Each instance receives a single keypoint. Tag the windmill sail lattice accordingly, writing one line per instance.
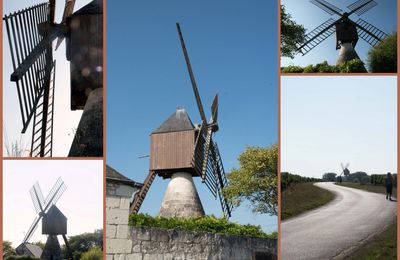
(26, 43)
(347, 31)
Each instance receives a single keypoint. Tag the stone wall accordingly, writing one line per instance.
(126, 243)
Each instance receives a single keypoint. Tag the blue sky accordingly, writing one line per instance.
(329, 120)
(383, 16)
(232, 47)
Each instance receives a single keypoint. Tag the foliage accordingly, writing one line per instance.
(329, 176)
(379, 179)
(383, 57)
(357, 176)
(20, 257)
(82, 243)
(205, 223)
(256, 180)
(8, 250)
(291, 34)
(94, 253)
(302, 197)
(352, 66)
(288, 179)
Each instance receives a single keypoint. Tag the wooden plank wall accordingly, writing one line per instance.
(172, 150)
(86, 54)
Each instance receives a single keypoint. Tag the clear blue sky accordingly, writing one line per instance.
(383, 16)
(329, 120)
(233, 50)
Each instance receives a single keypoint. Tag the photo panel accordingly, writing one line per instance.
(338, 167)
(53, 209)
(53, 78)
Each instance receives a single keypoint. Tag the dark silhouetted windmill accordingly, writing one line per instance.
(181, 150)
(347, 31)
(345, 171)
(54, 223)
(30, 34)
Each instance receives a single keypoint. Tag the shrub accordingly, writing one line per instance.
(353, 66)
(94, 253)
(383, 57)
(209, 224)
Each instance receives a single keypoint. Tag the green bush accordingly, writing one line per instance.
(94, 253)
(209, 224)
(353, 66)
(20, 257)
(383, 57)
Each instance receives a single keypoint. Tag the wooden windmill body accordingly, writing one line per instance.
(181, 151)
(30, 34)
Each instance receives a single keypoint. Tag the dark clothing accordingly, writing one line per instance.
(389, 189)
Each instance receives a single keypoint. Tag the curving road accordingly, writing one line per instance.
(330, 231)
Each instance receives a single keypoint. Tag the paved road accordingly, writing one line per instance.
(330, 231)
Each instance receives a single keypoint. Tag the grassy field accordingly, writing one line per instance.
(368, 187)
(383, 245)
(302, 197)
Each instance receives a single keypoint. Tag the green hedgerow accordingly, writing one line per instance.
(209, 224)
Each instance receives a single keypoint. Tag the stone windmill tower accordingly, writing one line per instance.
(180, 151)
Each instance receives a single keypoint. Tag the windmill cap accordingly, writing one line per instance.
(178, 121)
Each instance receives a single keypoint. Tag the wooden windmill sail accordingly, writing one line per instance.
(178, 146)
(347, 31)
(30, 34)
(54, 223)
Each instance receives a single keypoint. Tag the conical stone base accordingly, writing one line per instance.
(52, 250)
(181, 198)
(346, 53)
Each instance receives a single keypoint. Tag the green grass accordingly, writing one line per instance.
(301, 197)
(205, 223)
(368, 187)
(382, 246)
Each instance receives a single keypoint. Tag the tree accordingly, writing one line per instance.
(82, 243)
(291, 34)
(256, 180)
(8, 250)
(329, 176)
(383, 57)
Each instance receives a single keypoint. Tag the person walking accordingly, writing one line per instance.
(389, 186)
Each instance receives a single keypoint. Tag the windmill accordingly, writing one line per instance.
(347, 31)
(30, 34)
(345, 171)
(54, 223)
(180, 151)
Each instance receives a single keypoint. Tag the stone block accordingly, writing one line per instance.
(153, 257)
(118, 246)
(125, 203)
(112, 202)
(111, 231)
(122, 231)
(119, 257)
(109, 257)
(142, 233)
(151, 247)
(136, 248)
(135, 256)
(117, 216)
(159, 234)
